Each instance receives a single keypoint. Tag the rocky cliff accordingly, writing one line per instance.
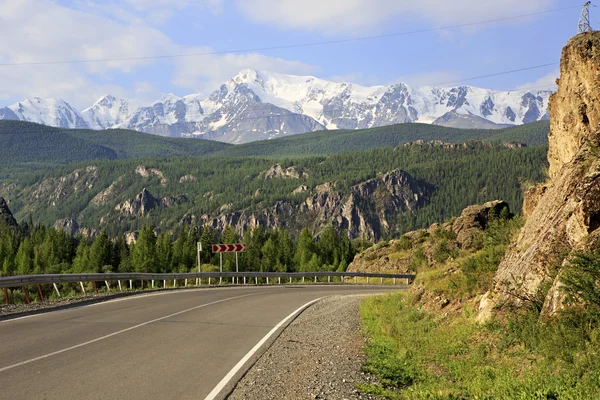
(5, 214)
(365, 211)
(563, 215)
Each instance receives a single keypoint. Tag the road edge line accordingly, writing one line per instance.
(231, 374)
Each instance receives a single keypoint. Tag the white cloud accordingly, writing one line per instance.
(350, 16)
(206, 73)
(546, 82)
(43, 31)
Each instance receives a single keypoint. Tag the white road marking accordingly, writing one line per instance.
(120, 332)
(221, 385)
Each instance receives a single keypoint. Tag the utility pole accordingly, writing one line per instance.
(584, 19)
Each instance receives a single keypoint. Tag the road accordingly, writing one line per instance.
(180, 344)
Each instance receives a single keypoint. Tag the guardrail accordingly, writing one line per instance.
(246, 277)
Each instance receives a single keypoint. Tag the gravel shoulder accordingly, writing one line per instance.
(318, 356)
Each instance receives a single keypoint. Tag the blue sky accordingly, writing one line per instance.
(62, 30)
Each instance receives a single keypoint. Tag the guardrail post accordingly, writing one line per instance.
(209, 281)
(315, 279)
(220, 280)
(408, 281)
(185, 285)
(290, 279)
(329, 279)
(82, 288)
(130, 285)
(355, 280)
(279, 280)
(142, 284)
(342, 279)
(303, 279)
(394, 281)
(368, 280)
(174, 282)
(6, 295)
(244, 280)
(26, 295)
(107, 285)
(164, 283)
(267, 280)
(152, 283)
(256, 280)
(95, 287)
(120, 287)
(41, 294)
(56, 288)
(381, 280)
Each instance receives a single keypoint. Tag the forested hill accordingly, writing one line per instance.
(344, 141)
(34, 146)
(373, 193)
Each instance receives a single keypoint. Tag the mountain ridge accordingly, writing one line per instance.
(255, 105)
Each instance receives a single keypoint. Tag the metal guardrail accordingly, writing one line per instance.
(26, 280)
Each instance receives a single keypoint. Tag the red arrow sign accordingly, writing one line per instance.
(228, 248)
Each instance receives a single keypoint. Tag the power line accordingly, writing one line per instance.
(290, 46)
(495, 74)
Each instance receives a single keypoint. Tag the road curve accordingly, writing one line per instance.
(167, 345)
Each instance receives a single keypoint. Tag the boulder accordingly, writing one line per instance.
(474, 219)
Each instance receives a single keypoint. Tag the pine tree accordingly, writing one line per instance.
(143, 254)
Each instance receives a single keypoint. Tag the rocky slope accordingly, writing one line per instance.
(404, 255)
(563, 215)
(256, 105)
(366, 211)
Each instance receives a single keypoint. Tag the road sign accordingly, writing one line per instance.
(228, 248)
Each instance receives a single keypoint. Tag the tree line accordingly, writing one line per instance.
(37, 249)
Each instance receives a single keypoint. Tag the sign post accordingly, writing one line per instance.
(199, 251)
(228, 248)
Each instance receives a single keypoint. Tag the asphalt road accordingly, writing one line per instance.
(168, 345)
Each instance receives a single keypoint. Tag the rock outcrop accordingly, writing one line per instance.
(6, 215)
(365, 210)
(67, 225)
(563, 215)
(147, 172)
(277, 172)
(474, 219)
(145, 202)
(141, 205)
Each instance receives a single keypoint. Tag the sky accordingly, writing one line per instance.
(227, 36)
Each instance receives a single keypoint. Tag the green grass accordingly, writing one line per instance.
(420, 350)
(423, 355)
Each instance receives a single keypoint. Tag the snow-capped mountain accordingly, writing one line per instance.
(52, 112)
(107, 112)
(257, 105)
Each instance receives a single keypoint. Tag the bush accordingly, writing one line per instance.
(403, 244)
(582, 281)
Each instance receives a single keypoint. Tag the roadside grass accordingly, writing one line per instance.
(421, 348)
(420, 355)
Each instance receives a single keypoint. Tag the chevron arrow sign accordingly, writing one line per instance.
(228, 248)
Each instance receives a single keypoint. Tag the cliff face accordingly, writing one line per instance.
(575, 107)
(365, 211)
(563, 215)
(5, 214)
